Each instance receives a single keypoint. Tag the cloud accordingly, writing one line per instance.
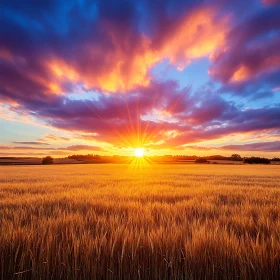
(107, 50)
(251, 56)
(244, 121)
(113, 50)
(199, 148)
(270, 2)
(260, 146)
(30, 143)
(54, 138)
(69, 148)
(4, 147)
(272, 146)
(82, 148)
(9, 154)
(159, 116)
(114, 118)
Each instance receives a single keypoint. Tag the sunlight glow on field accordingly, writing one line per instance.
(91, 221)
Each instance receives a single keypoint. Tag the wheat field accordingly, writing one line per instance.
(159, 222)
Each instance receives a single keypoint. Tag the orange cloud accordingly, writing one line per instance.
(119, 71)
(240, 74)
(127, 63)
(244, 72)
(61, 69)
(50, 85)
(198, 35)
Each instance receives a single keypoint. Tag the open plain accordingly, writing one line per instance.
(182, 221)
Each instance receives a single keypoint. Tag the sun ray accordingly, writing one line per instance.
(164, 124)
(111, 125)
(129, 115)
(148, 121)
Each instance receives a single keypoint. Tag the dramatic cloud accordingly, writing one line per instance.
(112, 54)
(251, 57)
(94, 70)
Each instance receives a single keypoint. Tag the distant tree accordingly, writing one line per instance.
(275, 159)
(256, 160)
(217, 157)
(201, 160)
(47, 160)
(236, 157)
(85, 157)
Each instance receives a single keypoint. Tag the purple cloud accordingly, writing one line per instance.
(261, 146)
(56, 48)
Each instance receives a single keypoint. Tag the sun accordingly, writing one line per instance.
(139, 152)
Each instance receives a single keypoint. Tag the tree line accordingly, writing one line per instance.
(165, 159)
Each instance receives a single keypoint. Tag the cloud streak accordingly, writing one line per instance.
(262, 146)
(30, 143)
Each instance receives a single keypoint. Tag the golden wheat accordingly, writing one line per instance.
(160, 222)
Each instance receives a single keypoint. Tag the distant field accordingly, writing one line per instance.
(162, 222)
(34, 161)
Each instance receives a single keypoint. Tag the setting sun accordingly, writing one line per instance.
(139, 152)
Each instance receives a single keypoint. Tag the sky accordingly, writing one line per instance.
(171, 77)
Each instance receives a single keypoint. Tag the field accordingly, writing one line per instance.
(119, 222)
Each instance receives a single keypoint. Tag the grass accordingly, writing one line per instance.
(161, 222)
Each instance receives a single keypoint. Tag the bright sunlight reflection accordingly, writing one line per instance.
(139, 152)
